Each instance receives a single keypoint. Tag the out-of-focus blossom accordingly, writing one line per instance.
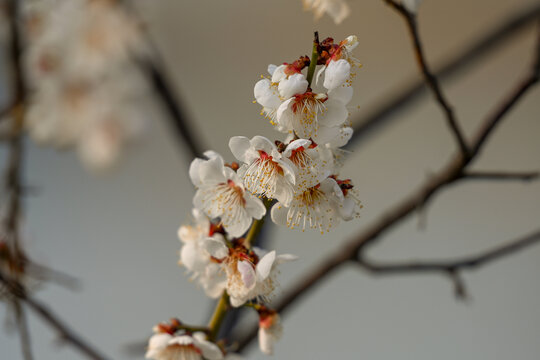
(196, 259)
(270, 330)
(85, 88)
(338, 10)
(182, 346)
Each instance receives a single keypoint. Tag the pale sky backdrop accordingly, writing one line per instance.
(117, 232)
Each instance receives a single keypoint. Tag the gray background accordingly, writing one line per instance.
(117, 232)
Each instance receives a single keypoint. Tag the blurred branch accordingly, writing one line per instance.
(446, 266)
(429, 78)
(500, 175)
(383, 113)
(449, 174)
(17, 290)
(182, 125)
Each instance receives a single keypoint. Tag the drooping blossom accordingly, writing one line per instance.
(270, 330)
(338, 10)
(248, 275)
(265, 171)
(182, 346)
(221, 194)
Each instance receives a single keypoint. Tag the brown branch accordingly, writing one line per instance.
(17, 290)
(429, 77)
(500, 175)
(24, 334)
(445, 266)
(349, 252)
(382, 114)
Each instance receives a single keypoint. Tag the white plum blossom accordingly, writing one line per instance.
(248, 276)
(266, 94)
(182, 346)
(265, 172)
(339, 69)
(338, 10)
(313, 163)
(270, 331)
(196, 259)
(316, 207)
(314, 116)
(221, 194)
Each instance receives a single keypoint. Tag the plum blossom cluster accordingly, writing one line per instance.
(294, 180)
(85, 89)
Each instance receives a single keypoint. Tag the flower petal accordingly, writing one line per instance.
(264, 266)
(248, 274)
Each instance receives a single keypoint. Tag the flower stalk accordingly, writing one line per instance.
(314, 58)
(219, 315)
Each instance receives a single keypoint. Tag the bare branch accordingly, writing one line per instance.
(429, 77)
(395, 102)
(500, 175)
(66, 334)
(24, 334)
(170, 101)
(468, 262)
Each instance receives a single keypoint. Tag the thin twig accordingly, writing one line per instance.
(448, 175)
(500, 175)
(66, 334)
(24, 333)
(429, 77)
(382, 114)
(468, 262)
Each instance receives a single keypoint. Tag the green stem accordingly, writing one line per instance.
(218, 316)
(257, 225)
(314, 58)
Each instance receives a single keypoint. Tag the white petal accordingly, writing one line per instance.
(248, 274)
(266, 94)
(336, 113)
(295, 84)
(194, 171)
(337, 72)
(239, 146)
(209, 350)
(211, 171)
(157, 343)
(254, 206)
(283, 258)
(215, 248)
(343, 93)
(279, 74)
(279, 214)
(284, 116)
(261, 143)
(271, 69)
(264, 266)
(266, 341)
(345, 134)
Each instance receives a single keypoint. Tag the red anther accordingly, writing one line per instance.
(234, 165)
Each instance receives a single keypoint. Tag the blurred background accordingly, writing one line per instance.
(116, 231)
